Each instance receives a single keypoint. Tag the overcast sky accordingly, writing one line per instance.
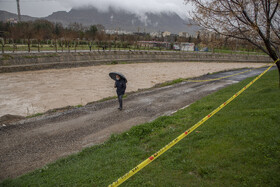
(42, 8)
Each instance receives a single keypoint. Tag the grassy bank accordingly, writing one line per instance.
(239, 146)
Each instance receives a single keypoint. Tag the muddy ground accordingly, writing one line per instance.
(32, 143)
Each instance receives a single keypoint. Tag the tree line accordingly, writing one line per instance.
(42, 31)
(39, 32)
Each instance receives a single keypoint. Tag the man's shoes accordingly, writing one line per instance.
(120, 109)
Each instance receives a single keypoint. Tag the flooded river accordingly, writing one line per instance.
(27, 93)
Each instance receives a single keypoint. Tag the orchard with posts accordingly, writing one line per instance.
(42, 35)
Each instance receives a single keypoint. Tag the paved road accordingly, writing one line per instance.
(32, 143)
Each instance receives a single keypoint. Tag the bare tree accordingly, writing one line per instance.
(90, 35)
(5, 29)
(256, 21)
(57, 33)
(14, 35)
(42, 30)
(26, 32)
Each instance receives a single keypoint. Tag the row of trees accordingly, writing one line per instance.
(43, 31)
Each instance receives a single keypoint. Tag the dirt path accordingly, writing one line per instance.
(33, 143)
(27, 93)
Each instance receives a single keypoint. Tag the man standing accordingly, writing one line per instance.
(120, 84)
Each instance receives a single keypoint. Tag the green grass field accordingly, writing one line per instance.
(239, 146)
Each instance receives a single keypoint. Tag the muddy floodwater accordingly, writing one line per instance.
(27, 93)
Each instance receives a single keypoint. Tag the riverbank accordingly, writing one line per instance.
(28, 93)
(40, 61)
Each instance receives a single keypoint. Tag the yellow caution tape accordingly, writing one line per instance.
(183, 135)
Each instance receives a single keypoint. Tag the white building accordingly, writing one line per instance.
(166, 33)
(187, 46)
(184, 34)
(155, 34)
(118, 32)
(12, 20)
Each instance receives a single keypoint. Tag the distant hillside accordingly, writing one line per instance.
(123, 20)
(4, 15)
(114, 19)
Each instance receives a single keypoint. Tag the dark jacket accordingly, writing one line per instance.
(121, 86)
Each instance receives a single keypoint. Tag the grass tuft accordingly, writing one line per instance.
(34, 115)
(78, 106)
(169, 83)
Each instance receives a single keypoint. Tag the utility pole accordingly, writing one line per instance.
(18, 10)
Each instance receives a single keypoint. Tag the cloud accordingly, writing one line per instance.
(36, 8)
(139, 7)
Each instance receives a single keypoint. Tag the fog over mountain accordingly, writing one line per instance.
(129, 15)
(123, 20)
(138, 7)
(43, 8)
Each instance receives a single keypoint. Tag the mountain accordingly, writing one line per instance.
(118, 20)
(4, 15)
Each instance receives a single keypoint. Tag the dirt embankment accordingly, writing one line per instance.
(16, 62)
